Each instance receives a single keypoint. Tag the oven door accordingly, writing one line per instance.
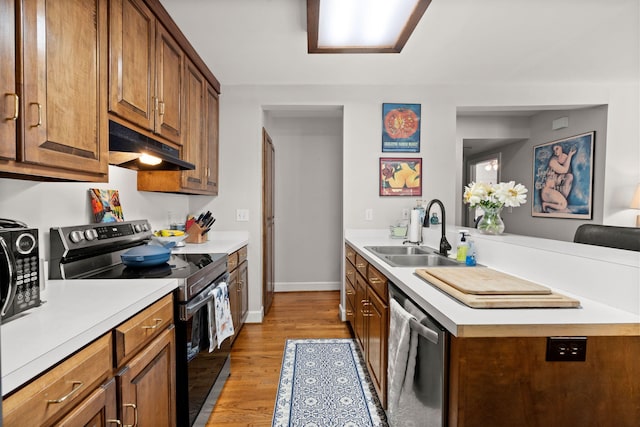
(203, 367)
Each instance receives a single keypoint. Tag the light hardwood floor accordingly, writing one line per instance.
(249, 394)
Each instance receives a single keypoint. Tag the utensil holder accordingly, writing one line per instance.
(195, 234)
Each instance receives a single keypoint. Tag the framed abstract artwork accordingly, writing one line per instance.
(563, 178)
(400, 177)
(105, 205)
(401, 128)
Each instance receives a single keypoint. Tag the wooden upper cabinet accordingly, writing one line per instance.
(212, 141)
(10, 102)
(169, 87)
(132, 66)
(146, 78)
(62, 80)
(194, 114)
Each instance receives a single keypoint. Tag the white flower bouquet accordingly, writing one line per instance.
(495, 196)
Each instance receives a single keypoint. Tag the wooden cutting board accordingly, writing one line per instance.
(549, 300)
(485, 281)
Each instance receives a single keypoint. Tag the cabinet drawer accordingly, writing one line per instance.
(378, 282)
(350, 254)
(61, 388)
(350, 273)
(361, 265)
(350, 291)
(232, 261)
(133, 334)
(242, 254)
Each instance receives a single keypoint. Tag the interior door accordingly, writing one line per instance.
(268, 246)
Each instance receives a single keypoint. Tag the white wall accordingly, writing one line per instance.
(308, 201)
(241, 121)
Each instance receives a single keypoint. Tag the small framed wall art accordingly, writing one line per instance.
(563, 178)
(105, 205)
(400, 176)
(401, 128)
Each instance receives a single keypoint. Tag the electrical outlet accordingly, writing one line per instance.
(242, 215)
(566, 349)
(368, 214)
(405, 213)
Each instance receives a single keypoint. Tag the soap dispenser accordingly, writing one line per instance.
(462, 246)
(471, 253)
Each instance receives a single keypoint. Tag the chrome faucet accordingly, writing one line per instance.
(444, 244)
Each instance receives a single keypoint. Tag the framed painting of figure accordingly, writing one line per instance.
(563, 178)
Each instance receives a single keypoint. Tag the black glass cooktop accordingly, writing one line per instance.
(179, 266)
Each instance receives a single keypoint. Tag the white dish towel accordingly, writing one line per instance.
(219, 312)
(402, 352)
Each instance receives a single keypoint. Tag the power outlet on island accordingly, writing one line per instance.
(242, 215)
(566, 349)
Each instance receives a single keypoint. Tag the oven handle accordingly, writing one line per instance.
(11, 291)
(199, 301)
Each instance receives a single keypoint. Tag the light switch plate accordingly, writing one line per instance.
(242, 215)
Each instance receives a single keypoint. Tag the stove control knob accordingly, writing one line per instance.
(145, 227)
(76, 236)
(137, 228)
(90, 234)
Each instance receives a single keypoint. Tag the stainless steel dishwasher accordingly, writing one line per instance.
(427, 404)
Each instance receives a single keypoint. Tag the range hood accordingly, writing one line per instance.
(126, 146)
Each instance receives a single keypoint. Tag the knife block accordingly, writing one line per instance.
(195, 234)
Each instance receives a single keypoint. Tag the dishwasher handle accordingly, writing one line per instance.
(423, 330)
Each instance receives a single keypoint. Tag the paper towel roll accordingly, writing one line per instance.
(415, 227)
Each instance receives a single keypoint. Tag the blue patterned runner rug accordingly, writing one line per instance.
(323, 383)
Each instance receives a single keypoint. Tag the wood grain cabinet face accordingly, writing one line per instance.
(62, 116)
(146, 78)
(100, 409)
(62, 388)
(237, 266)
(148, 384)
(193, 141)
(10, 101)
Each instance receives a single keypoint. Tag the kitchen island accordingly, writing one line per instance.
(497, 367)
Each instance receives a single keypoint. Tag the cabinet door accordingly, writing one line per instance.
(193, 138)
(169, 86)
(147, 385)
(234, 301)
(64, 106)
(132, 57)
(9, 103)
(243, 282)
(97, 410)
(211, 141)
(376, 350)
(361, 312)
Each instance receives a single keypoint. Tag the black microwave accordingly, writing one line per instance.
(19, 271)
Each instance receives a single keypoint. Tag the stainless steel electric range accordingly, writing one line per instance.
(93, 252)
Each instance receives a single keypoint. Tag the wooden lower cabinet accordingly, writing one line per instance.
(100, 409)
(367, 300)
(148, 384)
(238, 289)
(82, 390)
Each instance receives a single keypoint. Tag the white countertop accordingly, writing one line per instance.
(592, 318)
(78, 311)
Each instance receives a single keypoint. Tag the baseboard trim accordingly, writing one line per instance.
(306, 286)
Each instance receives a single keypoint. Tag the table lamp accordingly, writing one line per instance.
(635, 203)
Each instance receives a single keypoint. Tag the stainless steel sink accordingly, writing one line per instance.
(398, 250)
(423, 260)
(412, 256)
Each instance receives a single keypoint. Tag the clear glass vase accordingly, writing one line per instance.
(491, 222)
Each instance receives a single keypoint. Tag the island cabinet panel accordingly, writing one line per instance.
(56, 108)
(508, 382)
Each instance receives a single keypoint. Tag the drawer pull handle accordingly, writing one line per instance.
(374, 280)
(75, 387)
(360, 265)
(114, 422)
(158, 323)
(16, 106)
(350, 292)
(135, 414)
